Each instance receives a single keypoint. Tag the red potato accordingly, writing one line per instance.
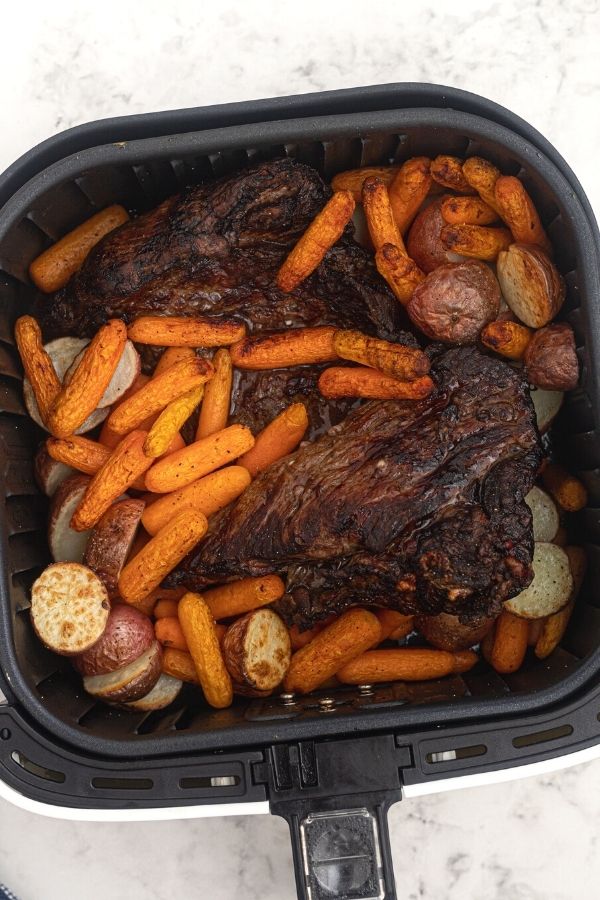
(257, 650)
(130, 682)
(447, 632)
(111, 540)
(551, 359)
(455, 302)
(66, 544)
(164, 692)
(128, 369)
(69, 608)
(531, 284)
(49, 473)
(127, 635)
(551, 587)
(424, 243)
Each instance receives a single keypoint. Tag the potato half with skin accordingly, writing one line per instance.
(551, 587)
(257, 650)
(129, 682)
(49, 473)
(66, 544)
(110, 542)
(447, 632)
(551, 358)
(424, 243)
(531, 284)
(164, 692)
(547, 405)
(127, 635)
(69, 608)
(455, 302)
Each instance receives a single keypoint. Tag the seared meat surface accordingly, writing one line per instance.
(417, 506)
(215, 251)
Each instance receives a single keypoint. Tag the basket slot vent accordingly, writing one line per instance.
(582, 450)
(11, 397)
(35, 769)
(227, 161)
(310, 153)
(122, 784)
(60, 210)
(19, 247)
(117, 185)
(263, 154)
(154, 185)
(577, 413)
(209, 781)
(25, 551)
(160, 721)
(340, 155)
(378, 150)
(14, 302)
(25, 513)
(10, 367)
(542, 737)
(441, 756)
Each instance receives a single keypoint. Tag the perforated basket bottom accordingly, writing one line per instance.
(64, 203)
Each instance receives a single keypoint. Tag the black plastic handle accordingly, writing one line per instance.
(342, 854)
(335, 797)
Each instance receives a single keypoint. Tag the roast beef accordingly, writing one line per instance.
(215, 251)
(416, 506)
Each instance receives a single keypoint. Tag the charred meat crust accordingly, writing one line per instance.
(416, 506)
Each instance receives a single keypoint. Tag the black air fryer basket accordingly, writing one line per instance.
(333, 762)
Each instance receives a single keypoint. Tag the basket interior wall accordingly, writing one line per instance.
(140, 187)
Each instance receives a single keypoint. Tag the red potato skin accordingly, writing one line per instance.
(455, 302)
(128, 634)
(424, 243)
(551, 359)
(446, 632)
(139, 686)
(111, 541)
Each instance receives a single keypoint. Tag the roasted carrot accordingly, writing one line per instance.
(448, 171)
(321, 234)
(165, 609)
(401, 273)
(568, 491)
(53, 268)
(178, 379)
(160, 555)
(409, 189)
(375, 666)
(476, 241)
(198, 459)
(346, 638)
(518, 211)
(37, 364)
(179, 664)
(396, 360)
(467, 211)
(297, 347)
(165, 429)
(207, 495)
(81, 395)
(509, 339)
(482, 175)
(279, 438)
(239, 597)
(510, 643)
(168, 632)
(360, 381)
(394, 625)
(353, 179)
(380, 218)
(214, 411)
(124, 466)
(185, 331)
(199, 630)
(84, 455)
(171, 356)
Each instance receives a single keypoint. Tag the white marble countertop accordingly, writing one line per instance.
(70, 62)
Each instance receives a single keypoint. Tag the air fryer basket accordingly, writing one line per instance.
(417, 728)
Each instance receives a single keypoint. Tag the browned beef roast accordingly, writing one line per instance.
(214, 251)
(417, 506)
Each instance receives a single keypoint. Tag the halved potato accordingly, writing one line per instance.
(49, 473)
(531, 284)
(546, 520)
(257, 650)
(554, 627)
(130, 682)
(67, 545)
(551, 587)
(547, 405)
(69, 608)
(110, 542)
(127, 635)
(127, 371)
(162, 694)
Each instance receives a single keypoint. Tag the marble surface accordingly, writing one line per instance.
(69, 62)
